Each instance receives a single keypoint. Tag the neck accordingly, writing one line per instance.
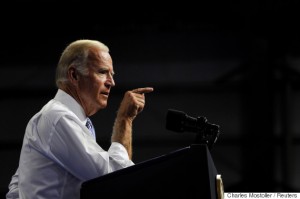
(73, 92)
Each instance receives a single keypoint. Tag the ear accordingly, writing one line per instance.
(73, 75)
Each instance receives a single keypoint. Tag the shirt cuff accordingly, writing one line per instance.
(119, 148)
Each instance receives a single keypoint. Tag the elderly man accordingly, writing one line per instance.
(59, 149)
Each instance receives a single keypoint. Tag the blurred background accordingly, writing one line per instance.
(236, 63)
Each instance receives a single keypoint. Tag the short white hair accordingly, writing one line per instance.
(76, 54)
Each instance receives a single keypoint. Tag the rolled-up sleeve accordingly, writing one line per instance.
(118, 152)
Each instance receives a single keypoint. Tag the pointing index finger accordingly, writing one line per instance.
(143, 90)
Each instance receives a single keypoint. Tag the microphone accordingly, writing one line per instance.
(179, 121)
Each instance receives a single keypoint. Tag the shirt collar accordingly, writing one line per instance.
(71, 104)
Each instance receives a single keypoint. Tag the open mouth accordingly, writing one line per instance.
(105, 93)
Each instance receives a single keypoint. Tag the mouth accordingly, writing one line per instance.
(105, 93)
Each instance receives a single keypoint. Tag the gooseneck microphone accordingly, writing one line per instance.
(180, 122)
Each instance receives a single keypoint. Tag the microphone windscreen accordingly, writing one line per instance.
(175, 120)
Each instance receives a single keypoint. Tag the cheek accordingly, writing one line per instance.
(100, 80)
(98, 84)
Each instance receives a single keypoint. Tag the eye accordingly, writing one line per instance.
(103, 71)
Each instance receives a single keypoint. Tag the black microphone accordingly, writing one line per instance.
(179, 121)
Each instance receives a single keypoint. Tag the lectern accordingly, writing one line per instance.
(185, 173)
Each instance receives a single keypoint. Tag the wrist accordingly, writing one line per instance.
(124, 119)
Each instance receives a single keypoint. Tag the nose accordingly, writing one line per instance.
(110, 82)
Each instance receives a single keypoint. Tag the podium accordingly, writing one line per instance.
(185, 173)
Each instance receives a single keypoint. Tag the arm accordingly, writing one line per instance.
(13, 192)
(132, 104)
(73, 148)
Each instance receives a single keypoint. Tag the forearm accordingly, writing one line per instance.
(132, 104)
(122, 133)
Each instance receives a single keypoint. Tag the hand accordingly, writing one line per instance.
(133, 102)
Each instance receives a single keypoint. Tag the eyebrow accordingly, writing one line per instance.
(106, 68)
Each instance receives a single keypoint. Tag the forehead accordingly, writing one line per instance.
(104, 55)
(100, 58)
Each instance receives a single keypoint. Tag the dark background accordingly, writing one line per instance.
(236, 63)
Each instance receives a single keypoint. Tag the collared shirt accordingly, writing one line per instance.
(59, 153)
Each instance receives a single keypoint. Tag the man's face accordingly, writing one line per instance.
(94, 88)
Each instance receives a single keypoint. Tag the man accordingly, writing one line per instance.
(59, 151)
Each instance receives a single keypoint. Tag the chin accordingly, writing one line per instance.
(102, 105)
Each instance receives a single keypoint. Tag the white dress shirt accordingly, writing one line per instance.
(59, 153)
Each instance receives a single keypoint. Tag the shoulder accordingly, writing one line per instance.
(53, 111)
